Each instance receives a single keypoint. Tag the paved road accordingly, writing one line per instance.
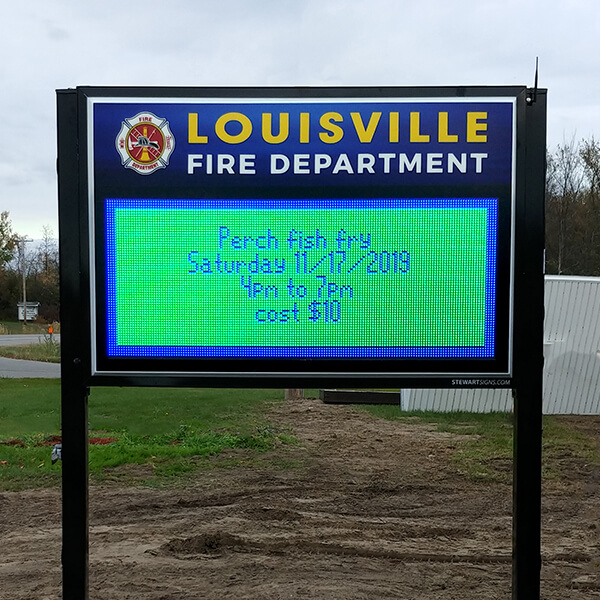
(16, 369)
(24, 340)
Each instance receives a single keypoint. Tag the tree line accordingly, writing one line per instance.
(38, 266)
(573, 208)
(572, 234)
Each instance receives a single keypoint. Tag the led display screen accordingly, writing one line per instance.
(302, 235)
(337, 278)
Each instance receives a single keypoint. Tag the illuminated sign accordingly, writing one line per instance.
(318, 278)
(304, 236)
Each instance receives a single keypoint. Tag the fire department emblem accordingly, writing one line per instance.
(145, 143)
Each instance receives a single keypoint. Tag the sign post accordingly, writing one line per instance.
(295, 236)
(74, 362)
(529, 358)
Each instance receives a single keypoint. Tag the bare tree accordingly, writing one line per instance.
(43, 278)
(564, 183)
(47, 253)
(590, 156)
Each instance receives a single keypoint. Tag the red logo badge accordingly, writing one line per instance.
(145, 143)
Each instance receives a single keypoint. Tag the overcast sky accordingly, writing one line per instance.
(51, 44)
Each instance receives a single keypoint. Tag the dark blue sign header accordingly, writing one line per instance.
(304, 143)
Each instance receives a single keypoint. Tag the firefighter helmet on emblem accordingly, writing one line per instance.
(145, 143)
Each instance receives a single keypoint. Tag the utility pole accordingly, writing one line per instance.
(23, 241)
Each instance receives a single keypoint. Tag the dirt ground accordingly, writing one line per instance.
(361, 509)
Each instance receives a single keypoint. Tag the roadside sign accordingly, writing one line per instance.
(287, 237)
(304, 234)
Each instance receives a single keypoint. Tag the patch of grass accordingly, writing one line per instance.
(48, 350)
(486, 454)
(29, 406)
(152, 411)
(170, 455)
(563, 446)
(12, 328)
(161, 433)
(453, 422)
(22, 468)
(165, 456)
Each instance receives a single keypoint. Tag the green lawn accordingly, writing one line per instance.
(172, 429)
(155, 435)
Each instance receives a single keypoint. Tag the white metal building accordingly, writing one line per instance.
(571, 352)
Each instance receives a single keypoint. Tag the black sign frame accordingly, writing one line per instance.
(256, 372)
